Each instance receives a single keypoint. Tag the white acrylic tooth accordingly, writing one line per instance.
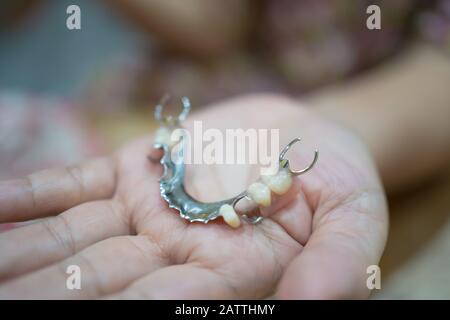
(280, 182)
(230, 216)
(163, 136)
(260, 193)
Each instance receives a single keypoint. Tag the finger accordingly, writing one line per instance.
(105, 267)
(334, 262)
(186, 281)
(52, 191)
(37, 245)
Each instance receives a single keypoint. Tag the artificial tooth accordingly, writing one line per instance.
(260, 193)
(163, 136)
(280, 182)
(230, 216)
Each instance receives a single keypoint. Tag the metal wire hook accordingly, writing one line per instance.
(249, 219)
(170, 120)
(285, 162)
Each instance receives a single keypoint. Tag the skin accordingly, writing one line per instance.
(401, 110)
(116, 227)
(214, 28)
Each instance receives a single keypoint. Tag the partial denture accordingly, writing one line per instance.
(172, 182)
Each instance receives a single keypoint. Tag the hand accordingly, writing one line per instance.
(129, 244)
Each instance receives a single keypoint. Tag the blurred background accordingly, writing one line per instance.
(66, 95)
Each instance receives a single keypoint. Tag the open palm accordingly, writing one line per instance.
(129, 244)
